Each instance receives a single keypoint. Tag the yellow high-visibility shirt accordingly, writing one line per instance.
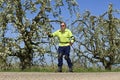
(64, 37)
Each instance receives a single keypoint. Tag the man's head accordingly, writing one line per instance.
(63, 26)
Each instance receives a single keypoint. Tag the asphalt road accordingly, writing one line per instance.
(59, 76)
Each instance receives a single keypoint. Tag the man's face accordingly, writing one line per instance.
(63, 26)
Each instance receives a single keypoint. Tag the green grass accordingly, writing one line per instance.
(54, 69)
(95, 70)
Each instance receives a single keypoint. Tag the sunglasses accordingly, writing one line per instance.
(62, 25)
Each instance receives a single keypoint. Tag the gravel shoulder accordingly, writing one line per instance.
(59, 76)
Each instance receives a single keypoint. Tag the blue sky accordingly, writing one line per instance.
(97, 7)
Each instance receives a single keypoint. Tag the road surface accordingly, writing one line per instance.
(59, 76)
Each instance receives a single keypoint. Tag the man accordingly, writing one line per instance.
(66, 39)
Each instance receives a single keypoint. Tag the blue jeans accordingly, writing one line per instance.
(64, 50)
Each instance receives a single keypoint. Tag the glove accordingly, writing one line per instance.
(49, 34)
(71, 43)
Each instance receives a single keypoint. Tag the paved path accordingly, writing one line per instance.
(59, 76)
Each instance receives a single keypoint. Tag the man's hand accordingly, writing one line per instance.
(49, 34)
(71, 43)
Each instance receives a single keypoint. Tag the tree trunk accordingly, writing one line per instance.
(26, 61)
(108, 66)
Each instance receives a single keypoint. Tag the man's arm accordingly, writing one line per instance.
(52, 34)
(72, 38)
